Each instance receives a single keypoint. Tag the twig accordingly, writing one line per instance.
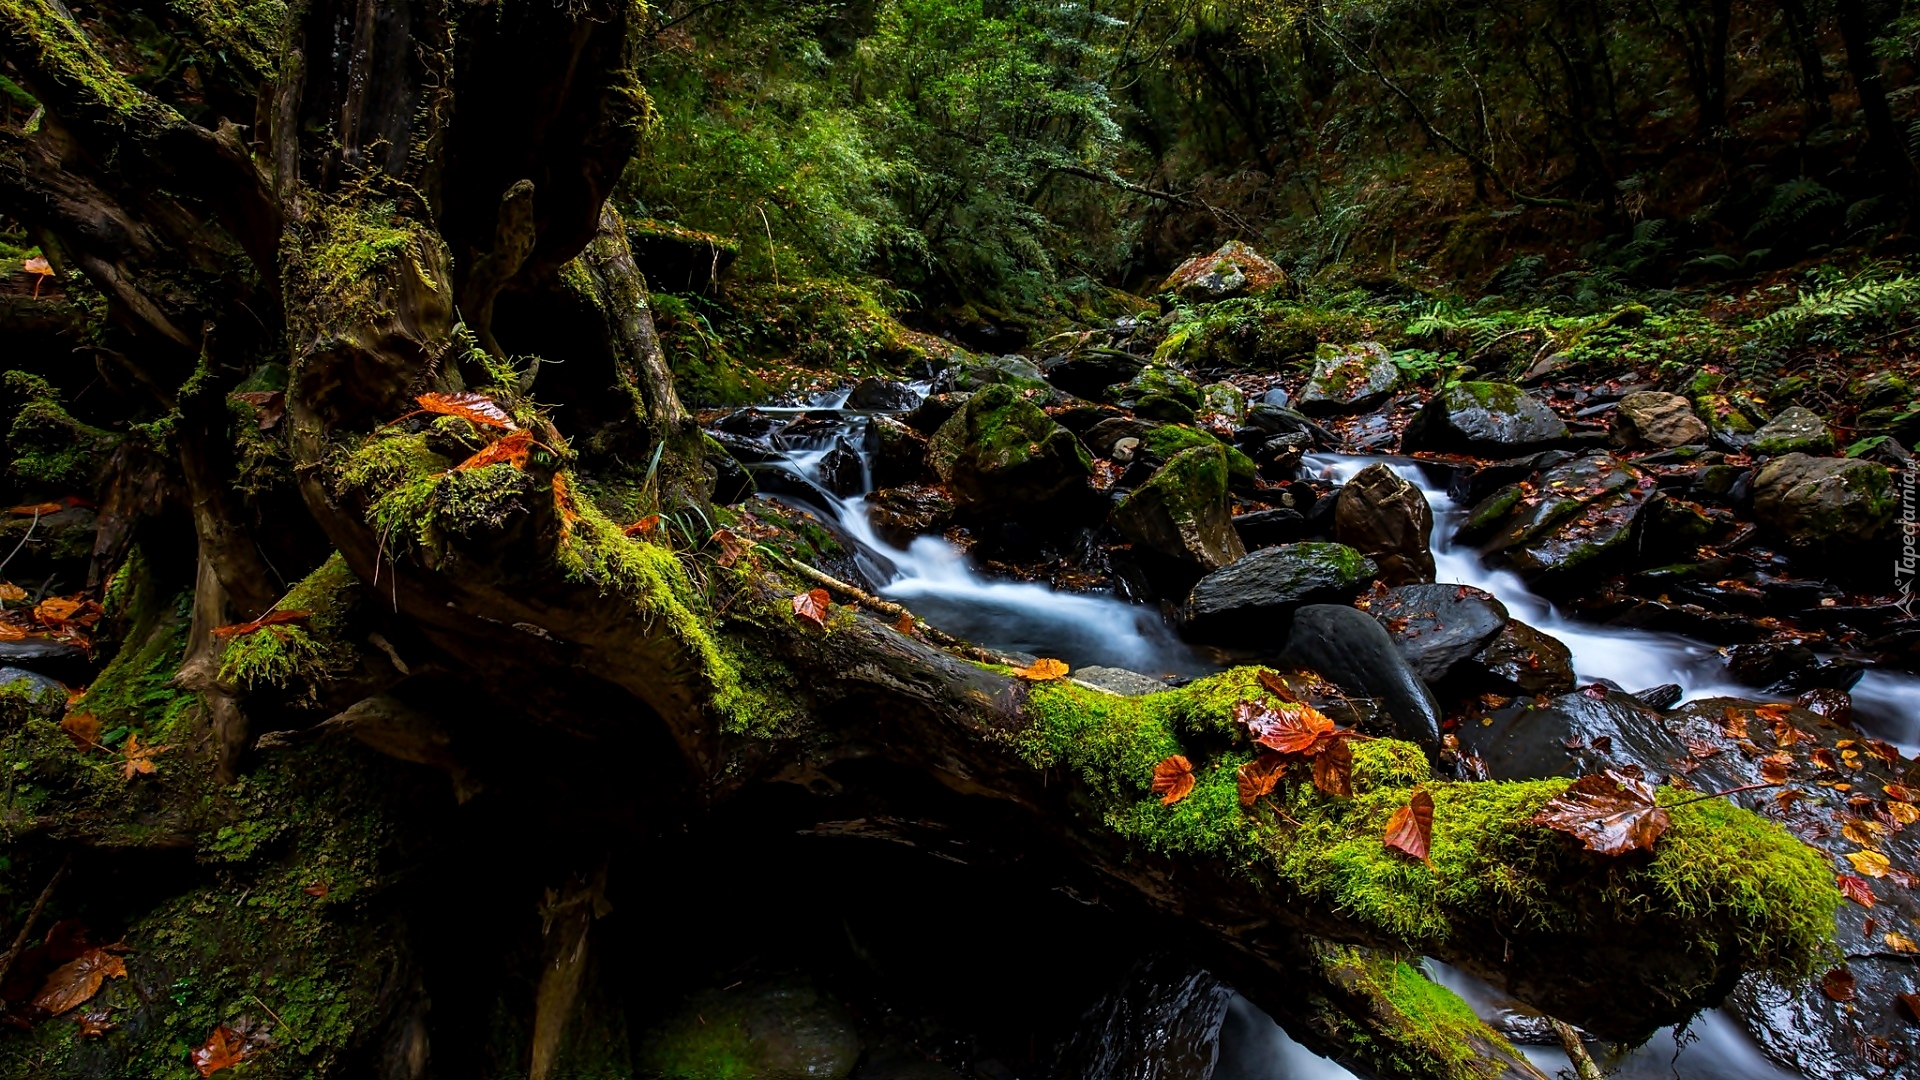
(1720, 794)
(33, 916)
(884, 607)
(1583, 1065)
(23, 540)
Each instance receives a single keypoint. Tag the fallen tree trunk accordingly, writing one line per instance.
(387, 208)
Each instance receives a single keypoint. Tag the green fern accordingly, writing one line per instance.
(1852, 301)
(1790, 204)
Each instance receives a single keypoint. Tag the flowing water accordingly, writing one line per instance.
(936, 579)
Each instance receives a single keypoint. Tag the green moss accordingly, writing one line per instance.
(311, 652)
(350, 255)
(249, 29)
(52, 452)
(76, 76)
(1721, 875)
(1167, 440)
(1416, 1028)
(1492, 395)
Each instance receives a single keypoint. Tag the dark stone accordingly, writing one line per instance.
(54, 659)
(747, 451)
(1181, 512)
(1101, 437)
(1279, 457)
(1794, 431)
(842, 472)
(1470, 485)
(1081, 419)
(1384, 517)
(1162, 1022)
(1348, 647)
(1580, 517)
(902, 513)
(974, 375)
(732, 483)
(882, 395)
(1522, 660)
(1249, 602)
(782, 1029)
(1275, 396)
(49, 695)
(934, 410)
(1436, 626)
(1265, 528)
(1486, 419)
(749, 423)
(1273, 420)
(1760, 665)
(896, 453)
(1091, 372)
(1824, 505)
(1662, 697)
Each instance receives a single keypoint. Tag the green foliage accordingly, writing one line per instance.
(53, 453)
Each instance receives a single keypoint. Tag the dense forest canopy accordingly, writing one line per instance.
(908, 539)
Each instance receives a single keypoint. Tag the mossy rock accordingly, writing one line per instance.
(1794, 431)
(1001, 454)
(1165, 440)
(1157, 382)
(1181, 512)
(1824, 505)
(1350, 378)
(1484, 418)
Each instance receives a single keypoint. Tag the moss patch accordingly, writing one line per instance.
(311, 652)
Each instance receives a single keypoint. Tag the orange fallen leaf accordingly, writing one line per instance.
(512, 449)
(223, 1050)
(812, 607)
(905, 623)
(1275, 685)
(1838, 984)
(268, 406)
(83, 728)
(1773, 767)
(732, 547)
(56, 611)
(472, 407)
(271, 618)
(1611, 813)
(563, 504)
(1903, 812)
(1870, 863)
(1410, 829)
(1291, 729)
(1863, 832)
(1333, 770)
(1773, 712)
(12, 593)
(317, 889)
(1855, 889)
(139, 758)
(74, 982)
(1900, 942)
(10, 632)
(1259, 777)
(1042, 670)
(644, 528)
(1173, 779)
(95, 1023)
(1732, 724)
(36, 509)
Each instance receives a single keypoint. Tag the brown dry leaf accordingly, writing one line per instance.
(268, 406)
(732, 548)
(37, 265)
(563, 504)
(1785, 734)
(812, 607)
(95, 1023)
(1295, 728)
(1732, 724)
(469, 406)
(1333, 769)
(1773, 767)
(12, 593)
(78, 980)
(223, 1050)
(1863, 832)
(1611, 812)
(1410, 829)
(1173, 779)
(139, 758)
(1909, 1004)
(36, 509)
(905, 623)
(10, 632)
(275, 617)
(644, 528)
(1870, 863)
(512, 448)
(317, 889)
(1258, 777)
(1837, 984)
(83, 728)
(1855, 889)
(1701, 749)
(1900, 942)
(1773, 712)
(1823, 758)
(1275, 685)
(1903, 812)
(1043, 670)
(56, 611)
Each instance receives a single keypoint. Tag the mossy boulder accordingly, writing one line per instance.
(1181, 512)
(969, 376)
(1349, 378)
(1223, 404)
(1252, 601)
(1794, 431)
(1000, 454)
(1824, 505)
(779, 1029)
(1733, 415)
(1165, 440)
(1489, 419)
(1573, 521)
(1161, 393)
(1234, 270)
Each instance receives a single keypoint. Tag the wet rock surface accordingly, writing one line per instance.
(896, 454)
(1436, 626)
(999, 454)
(1235, 269)
(1250, 602)
(1181, 512)
(1484, 418)
(1522, 660)
(1794, 431)
(1575, 517)
(1387, 519)
(1350, 648)
(1824, 505)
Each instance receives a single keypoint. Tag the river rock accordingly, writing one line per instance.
(901, 513)
(1578, 517)
(1265, 528)
(1352, 378)
(1279, 458)
(1090, 373)
(1655, 419)
(1161, 441)
(1880, 388)
(1102, 437)
(1436, 626)
(1522, 660)
(1824, 505)
(1000, 454)
(1346, 646)
(1118, 681)
(1249, 602)
(1233, 270)
(933, 411)
(1222, 405)
(1386, 518)
(43, 656)
(1271, 420)
(841, 471)
(1182, 511)
(1794, 431)
(971, 376)
(49, 696)
(1276, 396)
(781, 1029)
(732, 483)
(1160, 393)
(882, 395)
(1487, 419)
(1162, 1022)
(896, 453)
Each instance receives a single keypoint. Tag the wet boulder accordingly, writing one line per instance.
(1484, 418)
(974, 375)
(1436, 626)
(1343, 644)
(1265, 528)
(899, 514)
(1161, 441)
(1000, 455)
(1160, 393)
(1579, 517)
(1350, 378)
(1161, 1022)
(1102, 437)
(783, 1029)
(933, 411)
(1250, 602)
(1386, 518)
(896, 453)
(1655, 419)
(1181, 512)
(1794, 431)
(882, 395)
(1280, 457)
(59, 660)
(1235, 269)
(1090, 372)
(1521, 660)
(841, 471)
(1824, 505)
